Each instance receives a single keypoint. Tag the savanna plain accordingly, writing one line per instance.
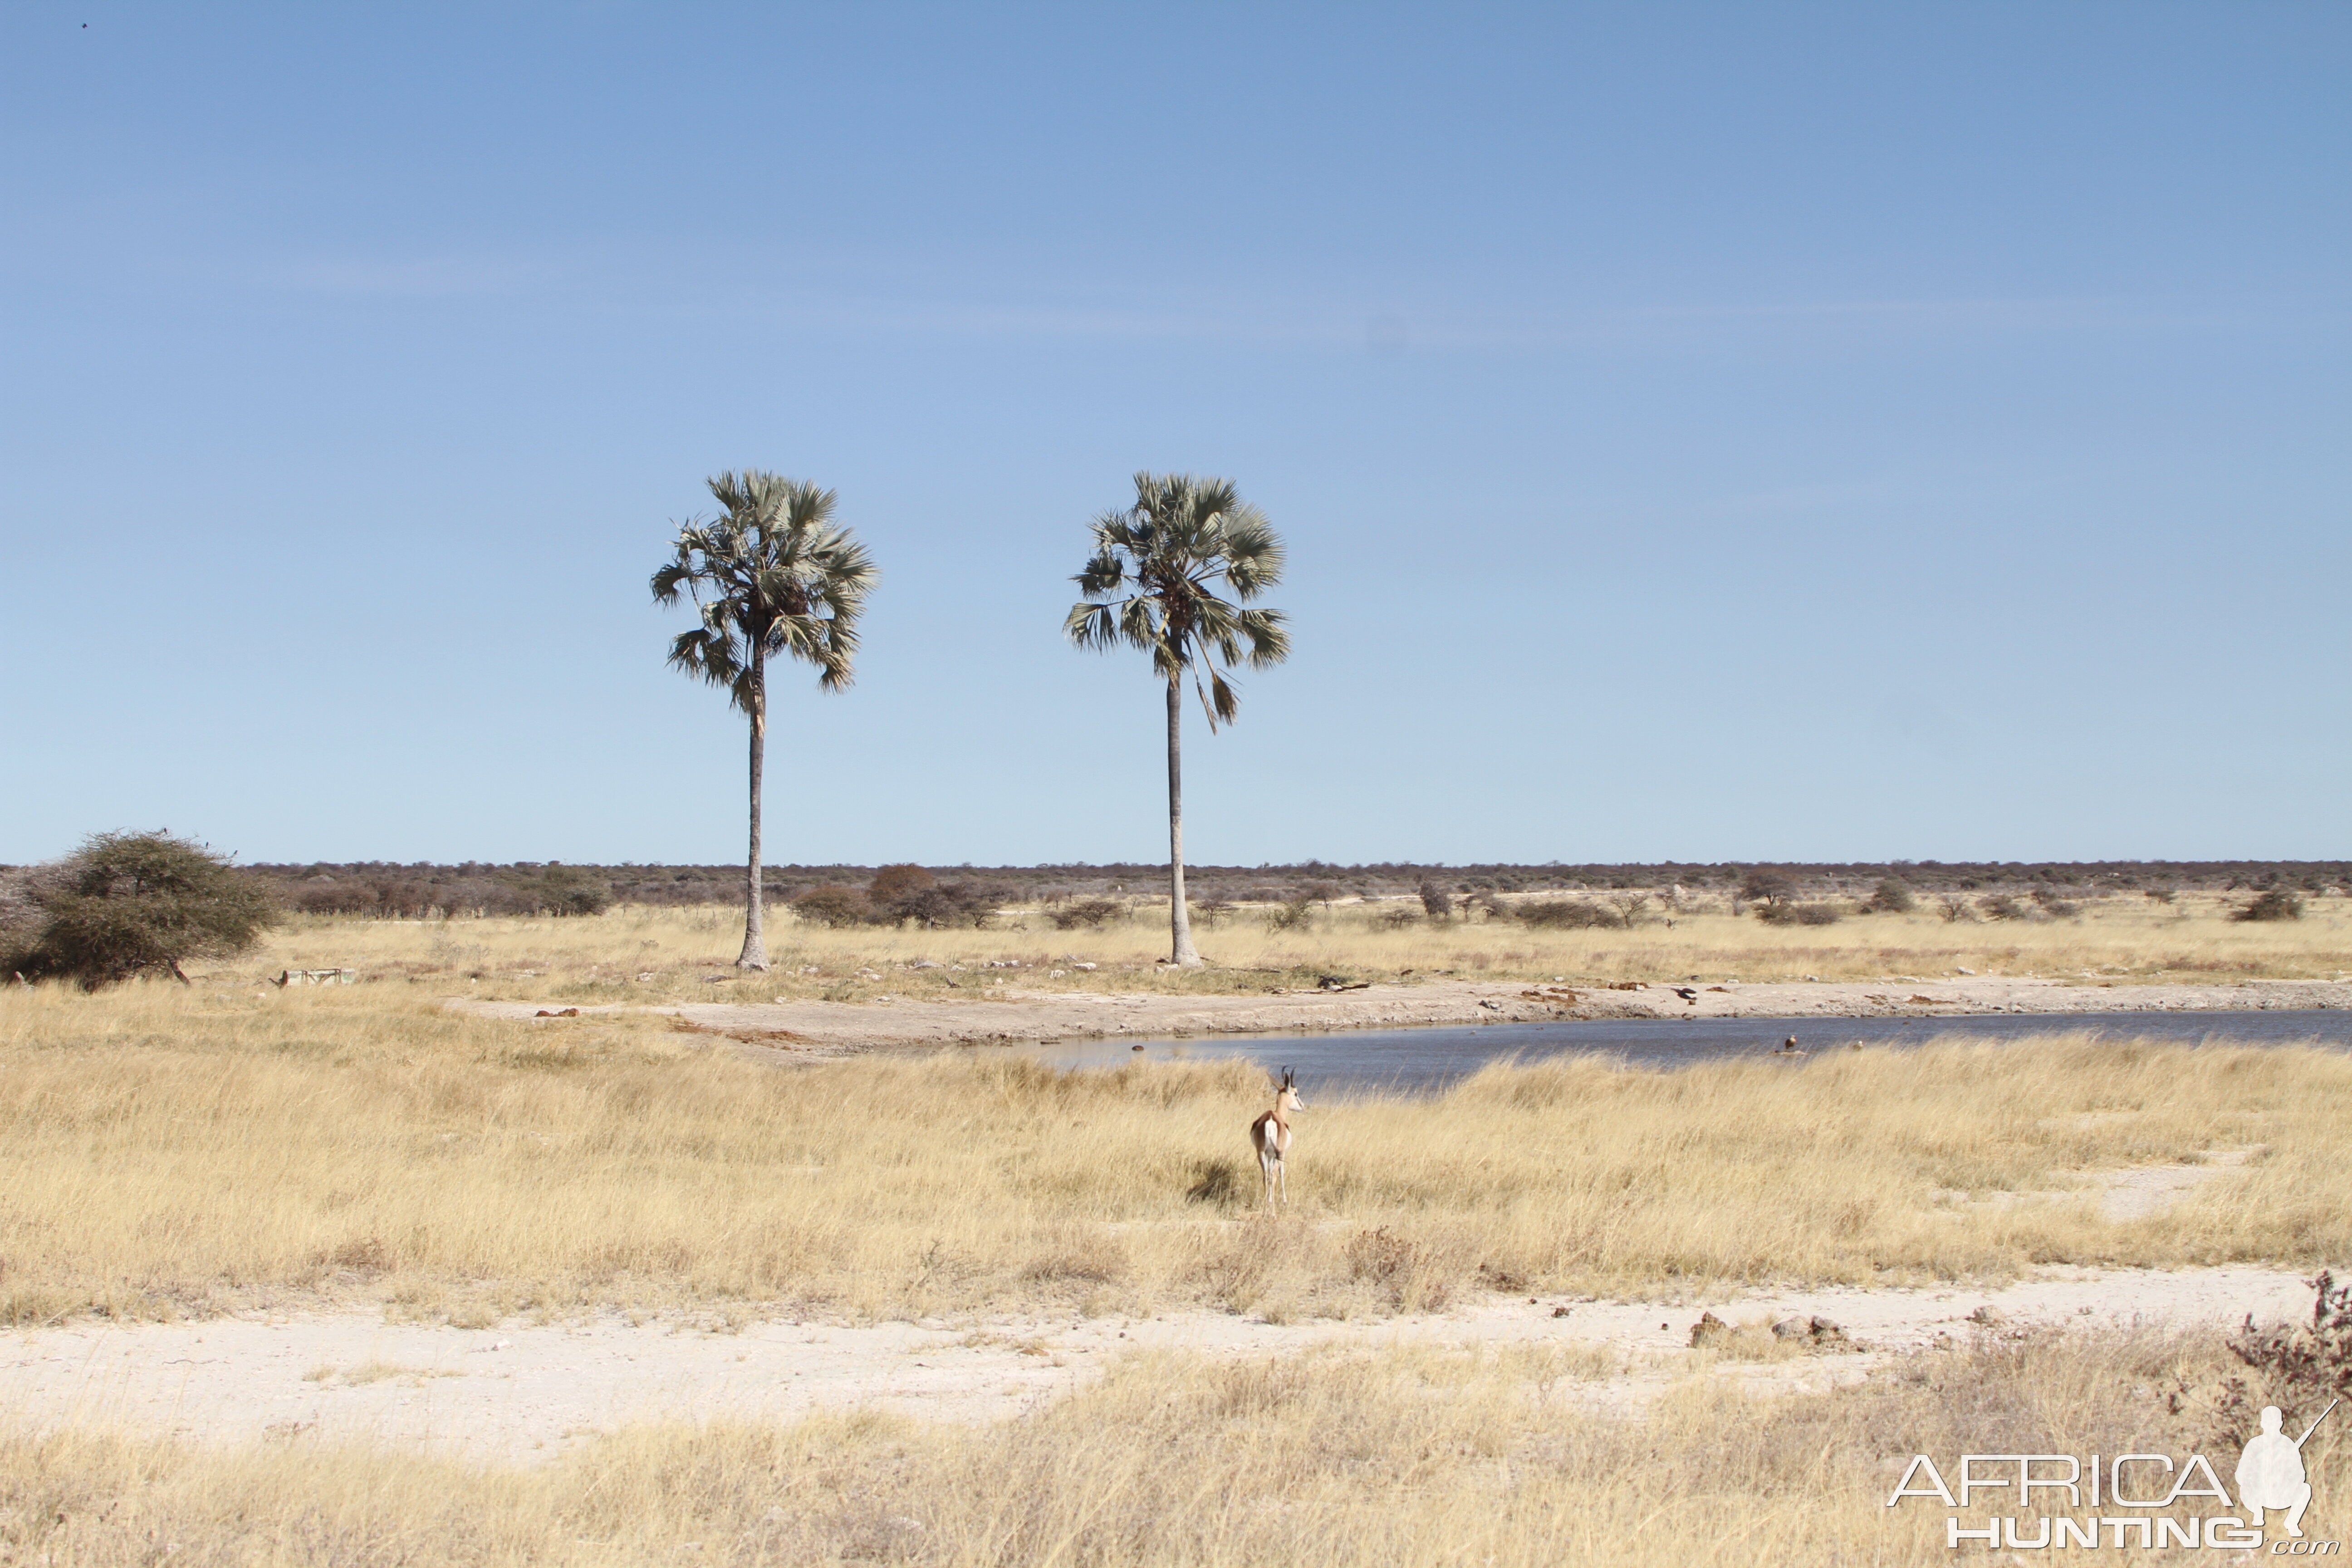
(234, 1151)
(634, 954)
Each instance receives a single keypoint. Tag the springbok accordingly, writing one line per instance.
(1270, 1136)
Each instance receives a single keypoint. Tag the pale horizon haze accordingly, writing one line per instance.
(1812, 432)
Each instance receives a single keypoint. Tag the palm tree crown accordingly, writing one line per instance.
(772, 574)
(1167, 553)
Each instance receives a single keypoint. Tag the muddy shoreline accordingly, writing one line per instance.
(819, 1030)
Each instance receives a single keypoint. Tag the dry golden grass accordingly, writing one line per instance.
(1394, 1457)
(601, 958)
(164, 1150)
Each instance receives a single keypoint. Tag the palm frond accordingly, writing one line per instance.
(1183, 538)
(1222, 701)
(1141, 625)
(708, 654)
(1103, 573)
(1092, 626)
(774, 571)
(802, 637)
(1254, 554)
(671, 578)
(1269, 642)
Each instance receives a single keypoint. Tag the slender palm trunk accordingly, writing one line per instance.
(1179, 919)
(755, 944)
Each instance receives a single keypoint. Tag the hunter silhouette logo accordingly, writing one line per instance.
(2271, 1475)
(2123, 1494)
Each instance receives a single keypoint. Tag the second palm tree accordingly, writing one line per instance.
(1151, 583)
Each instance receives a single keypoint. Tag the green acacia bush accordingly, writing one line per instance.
(133, 904)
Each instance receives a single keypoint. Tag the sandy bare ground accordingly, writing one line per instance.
(522, 1393)
(825, 1028)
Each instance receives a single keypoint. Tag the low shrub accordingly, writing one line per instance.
(2304, 1368)
(325, 895)
(1800, 914)
(1408, 1272)
(521, 891)
(1567, 914)
(558, 891)
(2278, 904)
(20, 913)
(1291, 914)
(1892, 896)
(897, 881)
(2004, 907)
(831, 904)
(1090, 913)
(2314, 1361)
(960, 903)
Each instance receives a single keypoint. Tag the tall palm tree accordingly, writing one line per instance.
(771, 576)
(1151, 584)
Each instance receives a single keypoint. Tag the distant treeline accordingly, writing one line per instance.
(421, 890)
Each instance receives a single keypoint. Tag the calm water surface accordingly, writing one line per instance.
(1425, 1059)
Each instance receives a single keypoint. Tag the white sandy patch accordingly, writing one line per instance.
(2152, 1189)
(2135, 1192)
(522, 1392)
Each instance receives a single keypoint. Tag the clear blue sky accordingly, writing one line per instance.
(1712, 432)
